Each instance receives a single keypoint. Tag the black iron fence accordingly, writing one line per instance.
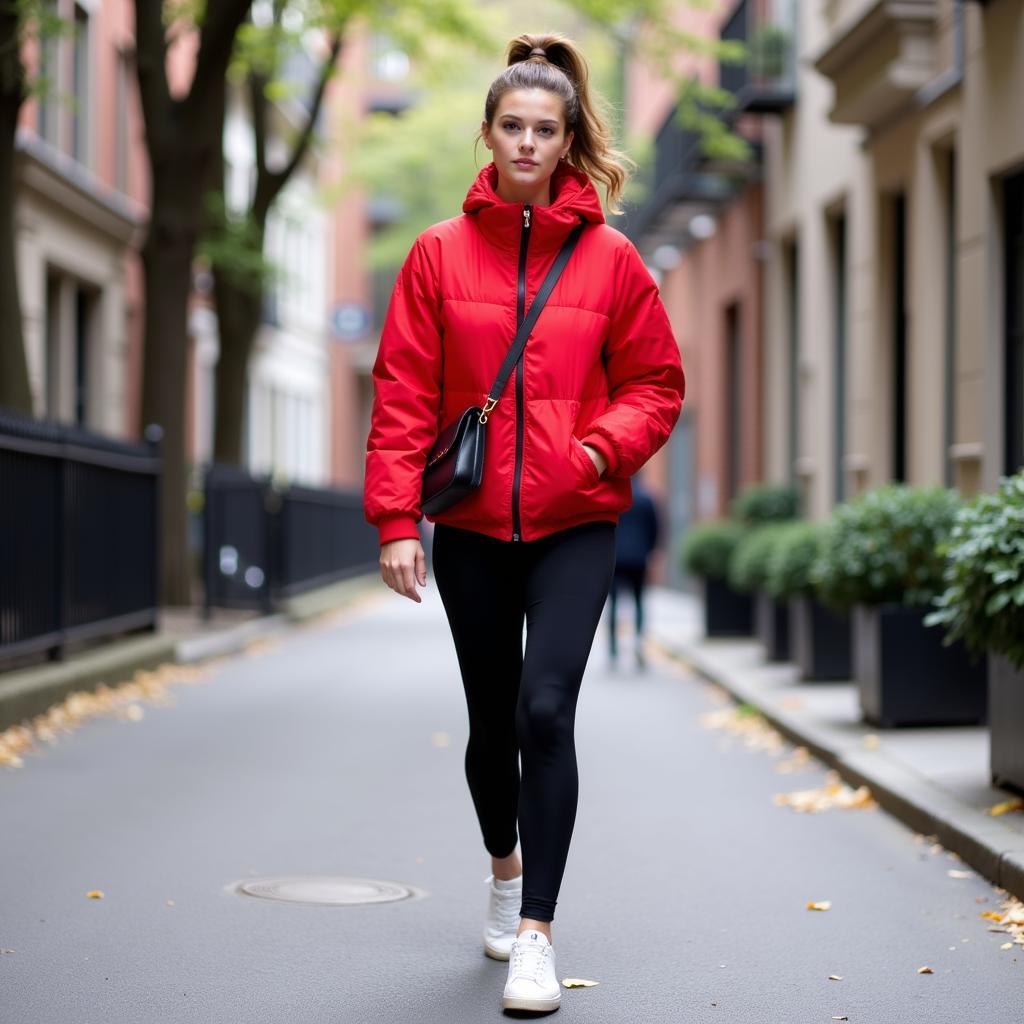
(78, 535)
(263, 543)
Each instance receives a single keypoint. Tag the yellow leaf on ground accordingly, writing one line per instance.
(835, 977)
(1006, 945)
(578, 982)
(955, 873)
(925, 970)
(820, 905)
(95, 894)
(1016, 804)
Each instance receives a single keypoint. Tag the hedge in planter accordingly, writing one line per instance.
(819, 638)
(758, 504)
(705, 551)
(983, 606)
(748, 574)
(880, 559)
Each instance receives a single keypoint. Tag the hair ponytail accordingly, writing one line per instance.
(553, 62)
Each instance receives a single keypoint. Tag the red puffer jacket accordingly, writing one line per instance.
(601, 366)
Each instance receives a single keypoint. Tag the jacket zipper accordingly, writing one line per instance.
(520, 316)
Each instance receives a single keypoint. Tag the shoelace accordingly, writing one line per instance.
(528, 960)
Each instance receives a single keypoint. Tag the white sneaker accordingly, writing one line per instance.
(502, 915)
(531, 984)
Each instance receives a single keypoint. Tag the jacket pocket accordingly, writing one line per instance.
(591, 474)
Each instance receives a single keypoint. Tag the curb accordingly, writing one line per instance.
(983, 842)
(31, 691)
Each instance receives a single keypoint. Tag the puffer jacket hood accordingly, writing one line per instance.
(573, 196)
(601, 366)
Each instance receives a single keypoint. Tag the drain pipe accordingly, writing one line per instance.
(951, 77)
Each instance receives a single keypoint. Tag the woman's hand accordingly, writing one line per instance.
(402, 565)
(598, 459)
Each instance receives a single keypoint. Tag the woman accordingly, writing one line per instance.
(594, 394)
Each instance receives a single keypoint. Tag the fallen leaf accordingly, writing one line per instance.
(925, 970)
(956, 873)
(1006, 945)
(821, 905)
(1016, 804)
(833, 794)
(840, 1018)
(95, 894)
(870, 741)
(578, 982)
(991, 915)
(835, 977)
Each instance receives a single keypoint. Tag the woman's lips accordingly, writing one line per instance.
(524, 163)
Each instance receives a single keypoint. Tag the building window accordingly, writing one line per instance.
(949, 413)
(49, 84)
(733, 400)
(839, 276)
(1013, 197)
(791, 261)
(80, 81)
(70, 313)
(899, 338)
(121, 128)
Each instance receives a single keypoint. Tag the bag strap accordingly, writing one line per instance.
(531, 318)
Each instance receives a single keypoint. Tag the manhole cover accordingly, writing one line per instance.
(332, 890)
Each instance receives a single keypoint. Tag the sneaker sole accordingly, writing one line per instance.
(525, 1003)
(496, 954)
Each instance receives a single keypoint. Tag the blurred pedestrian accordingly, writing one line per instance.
(596, 392)
(635, 539)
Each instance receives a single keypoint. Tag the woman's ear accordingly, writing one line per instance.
(486, 133)
(568, 144)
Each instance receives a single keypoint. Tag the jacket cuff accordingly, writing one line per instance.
(398, 528)
(604, 446)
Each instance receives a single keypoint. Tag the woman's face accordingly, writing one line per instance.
(527, 137)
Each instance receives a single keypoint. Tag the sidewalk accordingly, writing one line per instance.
(183, 636)
(934, 779)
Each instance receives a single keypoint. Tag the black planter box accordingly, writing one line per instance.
(771, 626)
(906, 676)
(1006, 722)
(819, 639)
(726, 612)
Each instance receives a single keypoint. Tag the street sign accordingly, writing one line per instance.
(350, 321)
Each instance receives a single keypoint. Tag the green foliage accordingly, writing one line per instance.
(765, 503)
(983, 602)
(788, 573)
(883, 547)
(748, 566)
(705, 548)
(769, 51)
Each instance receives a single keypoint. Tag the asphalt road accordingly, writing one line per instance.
(339, 751)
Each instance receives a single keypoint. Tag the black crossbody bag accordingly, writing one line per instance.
(455, 463)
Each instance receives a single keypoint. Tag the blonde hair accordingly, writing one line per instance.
(553, 62)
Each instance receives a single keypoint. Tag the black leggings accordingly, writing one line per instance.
(524, 702)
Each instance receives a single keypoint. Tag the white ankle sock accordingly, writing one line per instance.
(508, 883)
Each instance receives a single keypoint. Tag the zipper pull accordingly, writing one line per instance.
(515, 536)
(526, 215)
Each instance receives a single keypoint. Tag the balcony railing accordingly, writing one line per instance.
(766, 82)
(679, 186)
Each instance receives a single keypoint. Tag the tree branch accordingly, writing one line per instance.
(270, 183)
(216, 43)
(151, 70)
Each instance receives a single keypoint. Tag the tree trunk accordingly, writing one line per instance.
(15, 392)
(239, 312)
(168, 284)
